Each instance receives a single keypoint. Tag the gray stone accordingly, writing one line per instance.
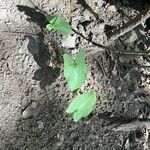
(69, 42)
(3, 13)
(40, 124)
(27, 113)
(34, 105)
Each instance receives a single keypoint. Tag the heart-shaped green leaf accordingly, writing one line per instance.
(82, 105)
(75, 70)
(60, 24)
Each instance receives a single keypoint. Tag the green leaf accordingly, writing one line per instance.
(51, 19)
(49, 27)
(75, 70)
(82, 105)
(60, 24)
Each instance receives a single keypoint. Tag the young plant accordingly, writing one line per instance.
(82, 105)
(75, 70)
(60, 24)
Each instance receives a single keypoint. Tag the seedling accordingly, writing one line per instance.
(82, 105)
(75, 70)
(60, 24)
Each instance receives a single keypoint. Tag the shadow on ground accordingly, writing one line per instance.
(46, 74)
(39, 49)
(34, 15)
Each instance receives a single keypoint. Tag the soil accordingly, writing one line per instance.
(34, 93)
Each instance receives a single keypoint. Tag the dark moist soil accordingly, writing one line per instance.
(34, 93)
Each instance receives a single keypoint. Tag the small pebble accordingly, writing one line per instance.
(27, 113)
(34, 105)
(40, 124)
(111, 8)
(69, 42)
(3, 13)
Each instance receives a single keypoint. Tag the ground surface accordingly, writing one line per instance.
(33, 92)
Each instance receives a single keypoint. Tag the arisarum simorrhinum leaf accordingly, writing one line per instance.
(82, 105)
(60, 24)
(75, 70)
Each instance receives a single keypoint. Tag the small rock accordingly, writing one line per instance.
(124, 59)
(34, 105)
(40, 124)
(3, 13)
(119, 88)
(127, 144)
(111, 8)
(132, 37)
(60, 139)
(148, 117)
(69, 42)
(98, 28)
(27, 113)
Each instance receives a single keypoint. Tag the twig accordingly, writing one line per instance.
(101, 66)
(135, 65)
(86, 6)
(134, 53)
(131, 53)
(132, 125)
(104, 47)
(145, 14)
